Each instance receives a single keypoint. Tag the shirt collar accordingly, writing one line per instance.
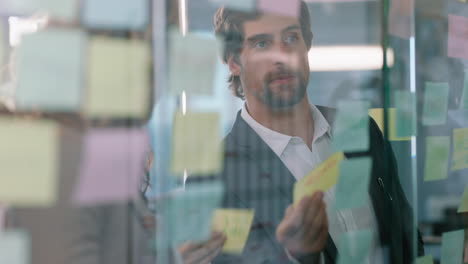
(277, 141)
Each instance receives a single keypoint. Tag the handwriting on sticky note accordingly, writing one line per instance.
(30, 160)
(457, 37)
(320, 179)
(196, 144)
(124, 91)
(460, 149)
(235, 224)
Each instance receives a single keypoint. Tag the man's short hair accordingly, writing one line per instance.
(228, 24)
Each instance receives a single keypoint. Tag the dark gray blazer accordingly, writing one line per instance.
(256, 178)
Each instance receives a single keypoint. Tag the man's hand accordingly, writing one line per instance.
(203, 253)
(304, 228)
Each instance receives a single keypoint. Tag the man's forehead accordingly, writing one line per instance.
(268, 24)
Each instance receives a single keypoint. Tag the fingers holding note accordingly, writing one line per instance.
(202, 252)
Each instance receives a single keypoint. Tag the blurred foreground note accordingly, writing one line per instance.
(3, 213)
(320, 179)
(196, 144)
(243, 5)
(353, 183)
(435, 107)
(464, 202)
(460, 149)
(118, 78)
(192, 65)
(15, 247)
(401, 18)
(235, 224)
(59, 9)
(425, 260)
(458, 37)
(405, 105)
(351, 126)
(452, 247)
(354, 247)
(377, 115)
(30, 160)
(112, 165)
(437, 158)
(116, 14)
(50, 67)
(188, 213)
(280, 7)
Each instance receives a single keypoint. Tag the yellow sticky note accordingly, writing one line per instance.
(235, 224)
(425, 260)
(377, 115)
(320, 179)
(29, 162)
(464, 202)
(196, 144)
(118, 78)
(460, 149)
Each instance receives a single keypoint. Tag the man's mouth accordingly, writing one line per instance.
(282, 79)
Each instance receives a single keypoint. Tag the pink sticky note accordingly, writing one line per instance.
(280, 7)
(400, 18)
(458, 37)
(112, 165)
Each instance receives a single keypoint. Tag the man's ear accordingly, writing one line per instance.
(234, 66)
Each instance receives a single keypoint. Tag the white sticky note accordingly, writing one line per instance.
(118, 78)
(61, 9)
(351, 126)
(192, 63)
(50, 71)
(243, 5)
(116, 14)
(30, 159)
(15, 247)
(188, 213)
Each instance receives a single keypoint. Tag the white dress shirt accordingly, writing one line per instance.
(300, 160)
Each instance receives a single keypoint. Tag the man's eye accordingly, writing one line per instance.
(260, 44)
(290, 39)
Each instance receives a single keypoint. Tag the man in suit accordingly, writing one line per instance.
(279, 136)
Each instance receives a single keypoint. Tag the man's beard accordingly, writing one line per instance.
(276, 102)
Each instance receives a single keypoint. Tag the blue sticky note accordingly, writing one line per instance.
(435, 104)
(353, 183)
(15, 247)
(188, 213)
(452, 247)
(116, 14)
(351, 126)
(405, 104)
(50, 75)
(354, 247)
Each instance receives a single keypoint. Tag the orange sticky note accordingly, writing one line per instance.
(320, 179)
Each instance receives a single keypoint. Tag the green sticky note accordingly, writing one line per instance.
(460, 149)
(50, 71)
(118, 78)
(464, 202)
(188, 213)
(435, 104)
(452, 247)
(437, 158)
(354, 247)
(29, 158)
(196, 144)
(353, 183)
(235, 224)
(425, 260)
(405, 105)
(61, 9)
(464, 100)
(15, 247)
(192, 63)
(351, 127)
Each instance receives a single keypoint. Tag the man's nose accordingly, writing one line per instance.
(281, 54)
